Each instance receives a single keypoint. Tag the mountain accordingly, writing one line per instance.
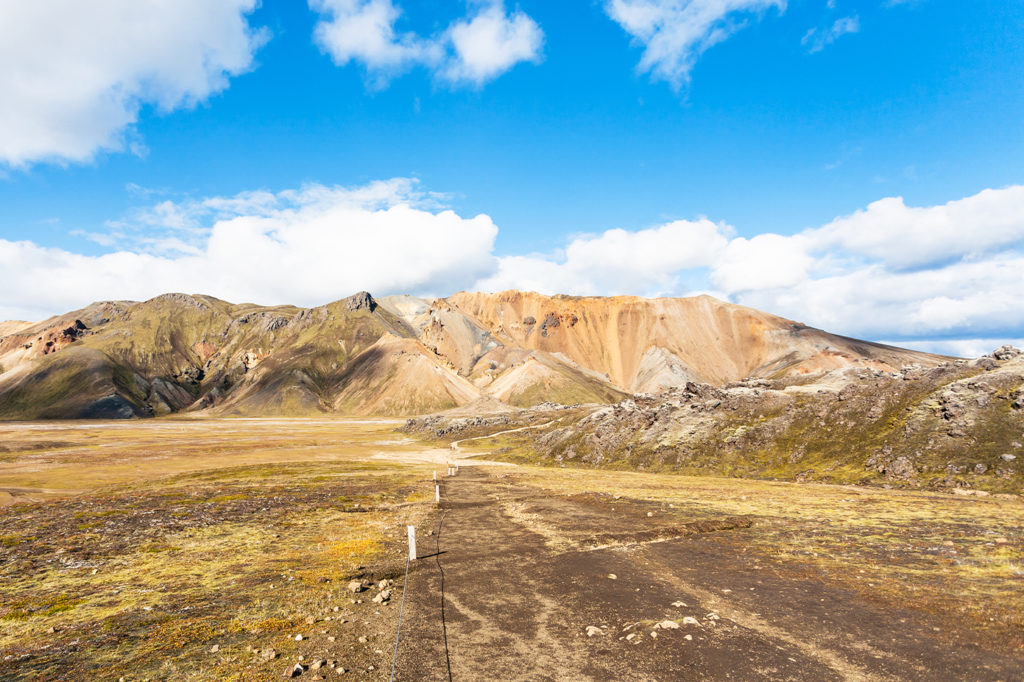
(400, 354)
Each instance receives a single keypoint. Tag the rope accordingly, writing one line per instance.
(437, 558)
(401, 610)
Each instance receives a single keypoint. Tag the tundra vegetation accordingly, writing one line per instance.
(201, 549)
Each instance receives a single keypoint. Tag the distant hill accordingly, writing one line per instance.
(399, 355)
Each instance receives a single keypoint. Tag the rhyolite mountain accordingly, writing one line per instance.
(400, 355)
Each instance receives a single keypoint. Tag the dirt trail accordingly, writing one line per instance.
(523, 578)
(456, 443)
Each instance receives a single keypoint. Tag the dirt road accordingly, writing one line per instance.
(522, 575)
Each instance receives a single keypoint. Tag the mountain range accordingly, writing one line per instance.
(400, 355)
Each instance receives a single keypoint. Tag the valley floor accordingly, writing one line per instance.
(202, 550)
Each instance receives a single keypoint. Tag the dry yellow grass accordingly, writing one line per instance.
(171, 537)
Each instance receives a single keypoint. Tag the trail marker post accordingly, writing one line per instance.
(437, 494)
(412, 543)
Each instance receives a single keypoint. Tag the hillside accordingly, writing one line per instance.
(646, 345)
(955, 425)
(399, 355)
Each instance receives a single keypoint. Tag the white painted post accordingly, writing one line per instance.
(412, 543)
(437, 494)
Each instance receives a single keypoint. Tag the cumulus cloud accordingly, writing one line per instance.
(364, 31)
(472, 50)
(946, 275)
(675, 33)
(306, 246)
(75, 74)
(648, 262)
(491, 43)
(906, 237)
(817, 39)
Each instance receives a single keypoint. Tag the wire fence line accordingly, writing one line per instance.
(401, 610)
(405, 589)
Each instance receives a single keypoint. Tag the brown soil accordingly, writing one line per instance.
(512, 577)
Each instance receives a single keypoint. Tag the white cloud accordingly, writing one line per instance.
(472, 50)
(490, 44)
(963, 348)
(817, 39)
(648, 262)
(364, 31)
(304, 246)
(766, 261)
(75, 74)
(907, 237)
(675, 33)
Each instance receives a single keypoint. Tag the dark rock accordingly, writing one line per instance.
(360, 301)
(110, 407)
(901, 468)
(1006, 353)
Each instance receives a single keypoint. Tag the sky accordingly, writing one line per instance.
(855, 166)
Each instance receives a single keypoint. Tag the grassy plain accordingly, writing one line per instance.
(132, 549)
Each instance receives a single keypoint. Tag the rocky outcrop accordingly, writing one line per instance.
(360, 301)
(954, 425)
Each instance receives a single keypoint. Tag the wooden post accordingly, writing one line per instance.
(437, 494)
(412, 543)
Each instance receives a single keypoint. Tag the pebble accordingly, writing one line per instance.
(668, 625)
(294, 671)
(650, 513)
(678, 604)
(612, 576)
(592, 631)
(688, 638)
(215, 648)
(298, 638)
(362, 639)
(355, 586)
(690, 620)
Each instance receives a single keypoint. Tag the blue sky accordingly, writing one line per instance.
(780, 123)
